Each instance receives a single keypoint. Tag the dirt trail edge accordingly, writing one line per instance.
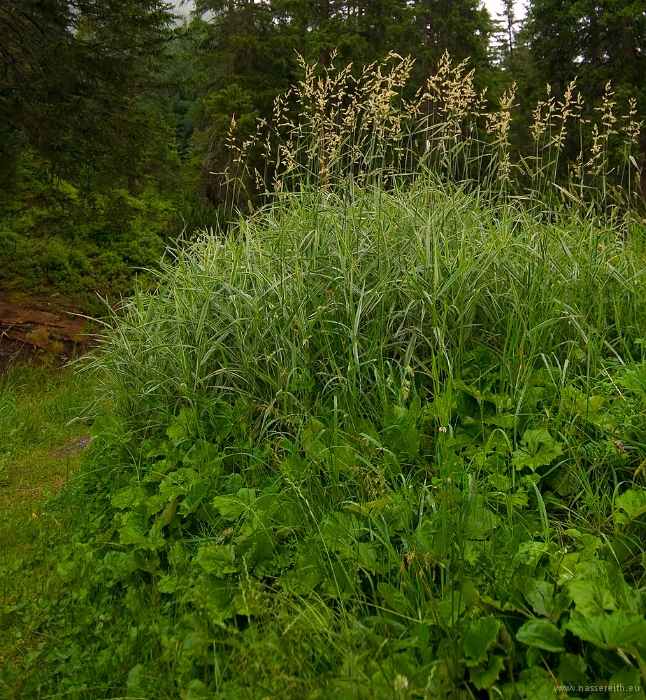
(49, 328)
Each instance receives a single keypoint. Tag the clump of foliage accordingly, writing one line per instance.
(386, 445)
(382, 440)
(54, 236)
(86, 144)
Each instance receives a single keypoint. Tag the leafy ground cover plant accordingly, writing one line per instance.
(382, 445)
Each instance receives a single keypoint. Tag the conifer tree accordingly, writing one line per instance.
(461, 27)
(596, 41)
(73, 76)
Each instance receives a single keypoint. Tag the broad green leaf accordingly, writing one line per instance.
(313, 439)
(204, 455)
(485, 676)
(67, 571)
(295, 467)
(339, 529)
(246, 496)
(572, 670)
(368, 558)
(193, 498)
(481, 521)
(158, 470)
(395, 599)
(136, 518)
(146, 560)
(621, 518)
(608, 631)
(155, 503)
(177, 433)
(196, 690)
(478, 639)
(230, 507)
(248, 602)
(530, 553)
(168, 584)
(266, 505)
(304, 577)
(182, 426)
(591, 597)
(538, 593)
(217, 559)
(533, 684)
(257, 548)
(500, 481)
(128, 535)
(590, 407)
(217, 597)
(371, 508)
(537, 448)
(451, 608)
(542, 634)
(627, 685)
(288, 515)
(632, 502)
(124, 498)
(340, 580)
(179, 482)
(136, 680)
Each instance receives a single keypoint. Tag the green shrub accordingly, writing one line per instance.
(55, 238)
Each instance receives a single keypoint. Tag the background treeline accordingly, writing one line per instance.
(115, 116)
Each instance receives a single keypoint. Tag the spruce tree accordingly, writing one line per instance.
(595, 41)
(75, 73)
(461, 27)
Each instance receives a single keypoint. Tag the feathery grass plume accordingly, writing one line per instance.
(337, 128)
(448, 108)
(632, 128)
(498, 125)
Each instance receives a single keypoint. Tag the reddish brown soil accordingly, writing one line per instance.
(51, 329)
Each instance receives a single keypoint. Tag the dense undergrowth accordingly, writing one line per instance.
(57, 238)
(384, 439)
(370, 446)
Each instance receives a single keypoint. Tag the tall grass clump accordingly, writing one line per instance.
(320, 297)
(384, 439)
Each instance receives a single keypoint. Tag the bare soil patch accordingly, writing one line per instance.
(51, 329)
